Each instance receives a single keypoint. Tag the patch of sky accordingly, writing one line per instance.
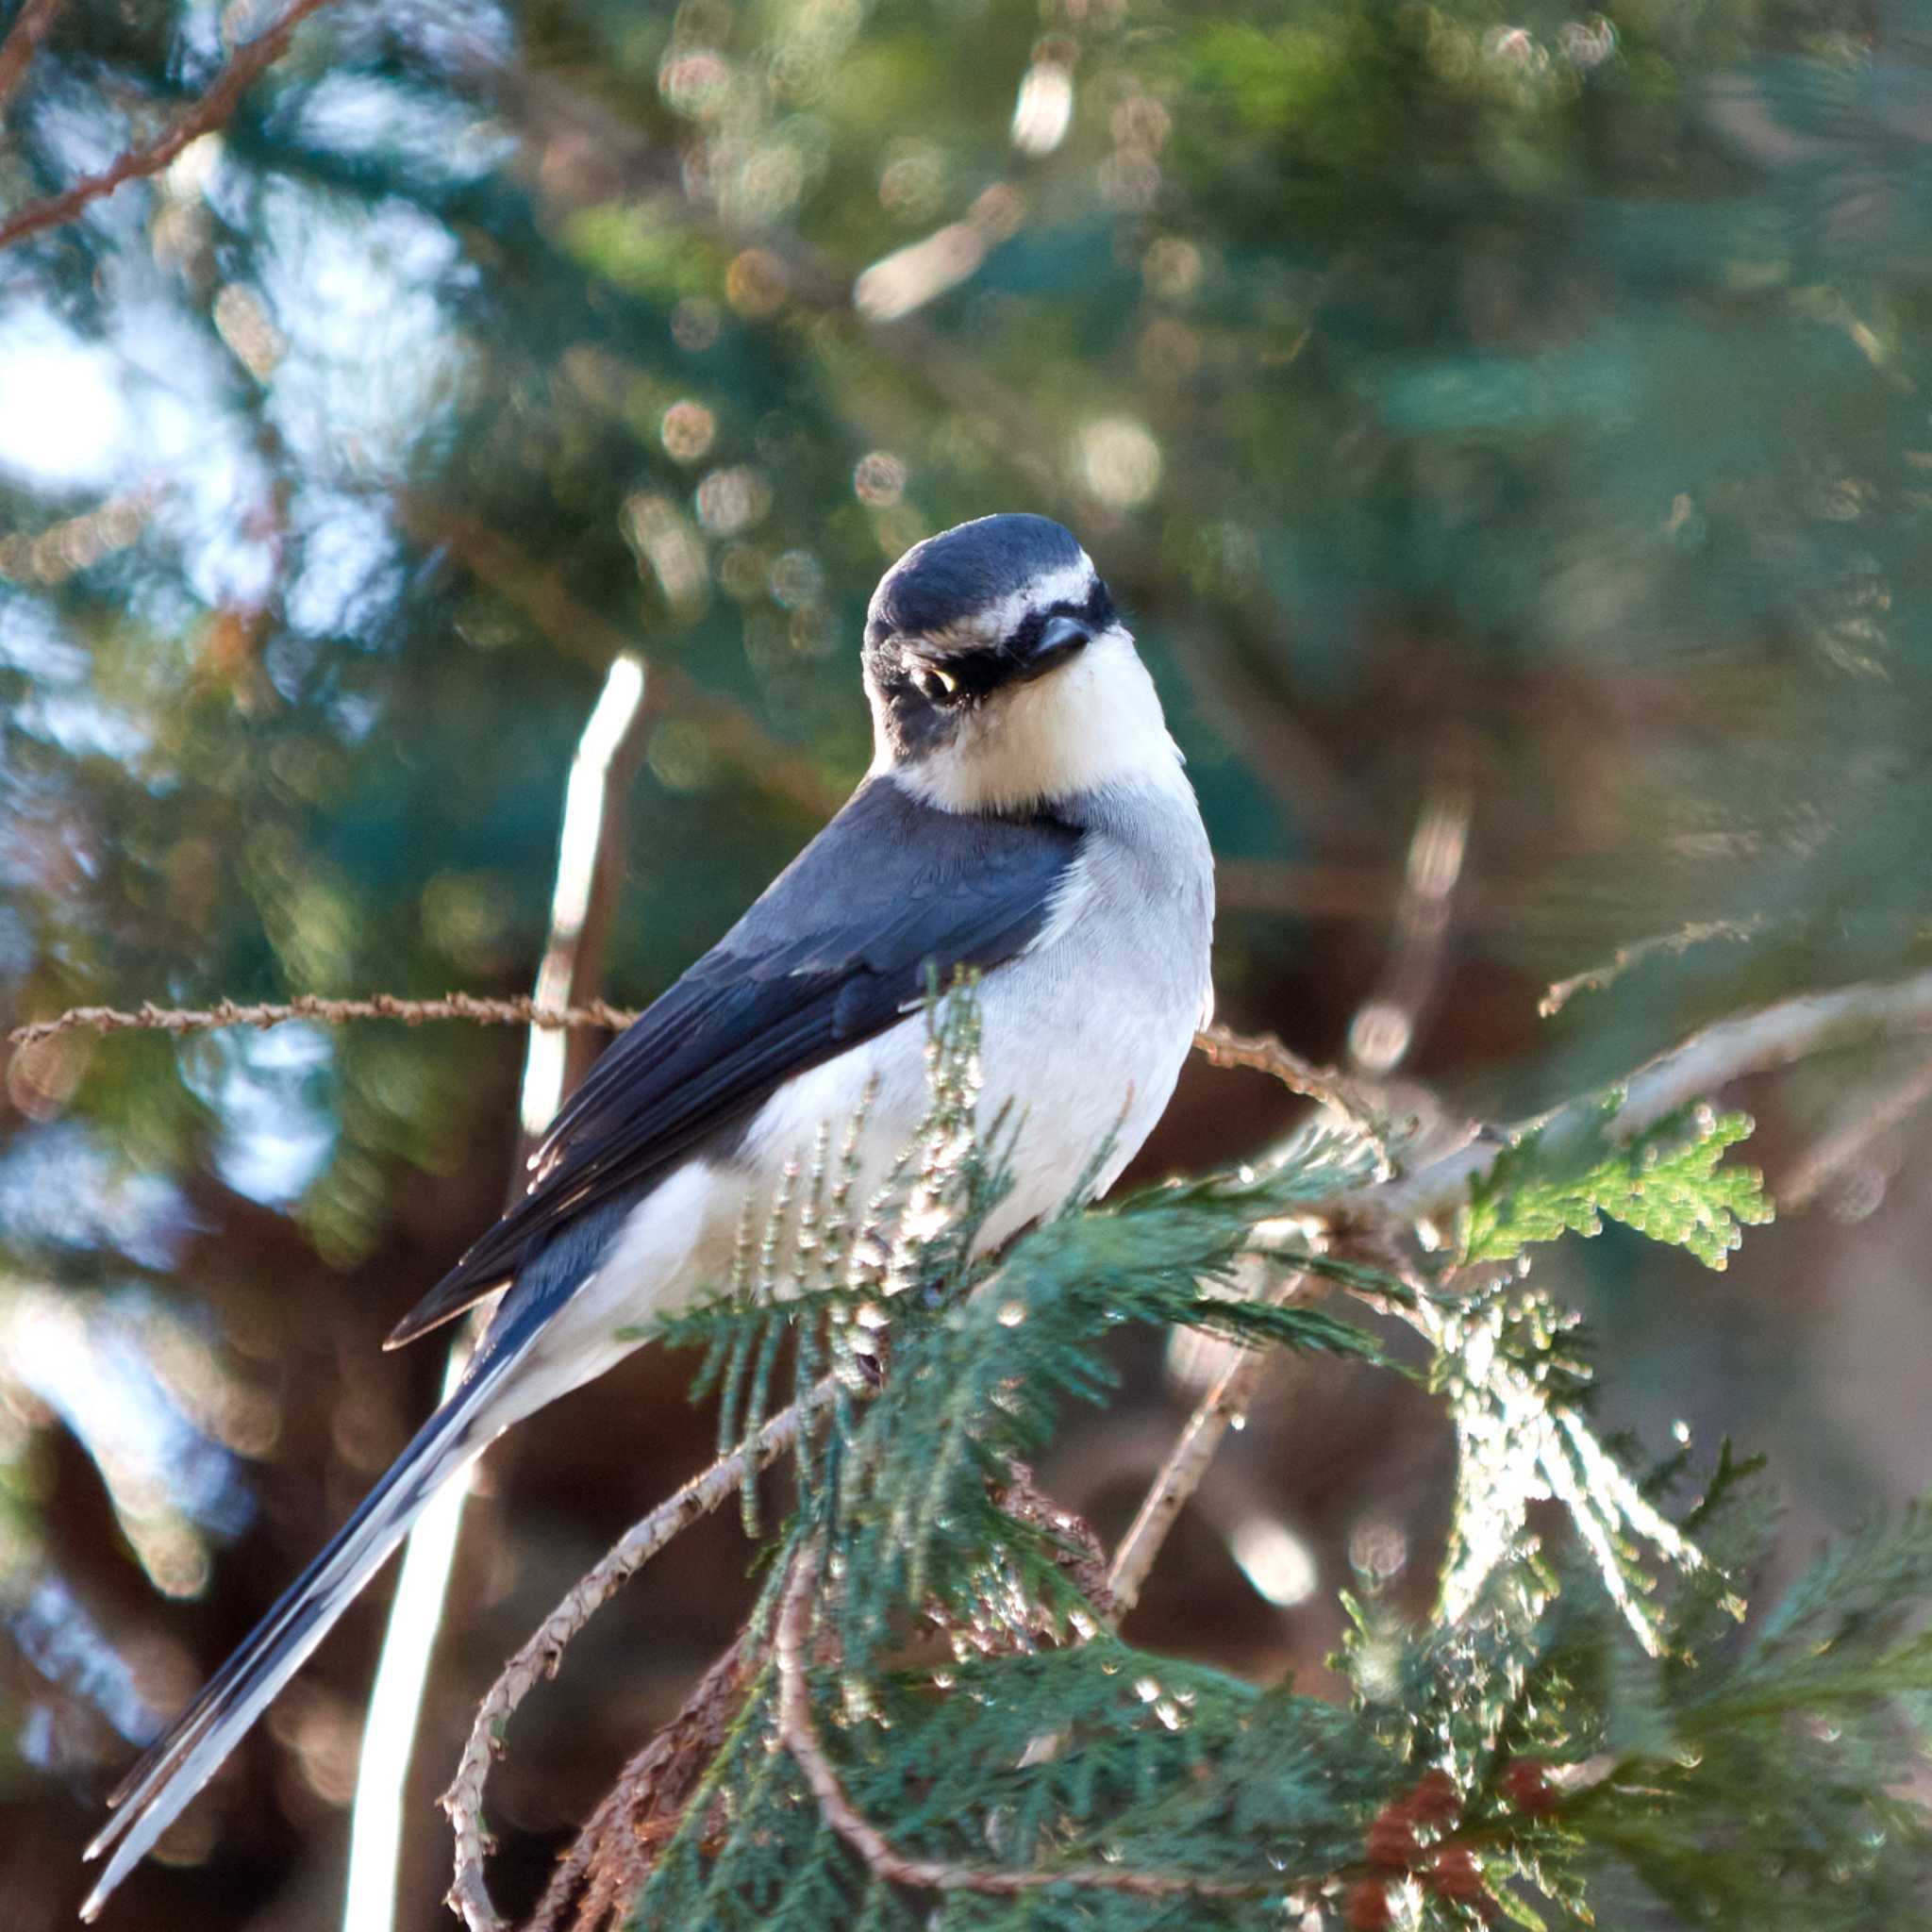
(198, 452)
(60, 1187)
(90, 1362)
(31, 640)
(349, 567)
(380, 119)
(67, 1647)
(372, 356)
(457, 37)
(65, 422)
(81, 726)
(270, 1093)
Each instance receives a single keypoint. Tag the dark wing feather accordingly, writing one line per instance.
(829, 957)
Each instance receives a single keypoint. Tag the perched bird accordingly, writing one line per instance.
(1026, 814)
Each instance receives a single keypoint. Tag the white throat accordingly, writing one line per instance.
(1093, 724)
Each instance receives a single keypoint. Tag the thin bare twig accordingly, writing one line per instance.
(1080, 1553)
(246, 66)
(1262, 1053)
(518, 1010)
(1187, 1464)
(799, 1737)
(31, 27)
(469, 1894)
(1595, 978)
(1755, 1043)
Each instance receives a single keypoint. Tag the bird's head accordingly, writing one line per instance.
(1000, 675)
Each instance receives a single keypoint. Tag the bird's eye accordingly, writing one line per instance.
(935, 684)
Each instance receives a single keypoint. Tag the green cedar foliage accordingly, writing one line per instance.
(1592, 1734)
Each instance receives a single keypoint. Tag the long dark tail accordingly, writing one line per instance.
(157, 1790)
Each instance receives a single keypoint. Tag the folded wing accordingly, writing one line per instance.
(831, 953)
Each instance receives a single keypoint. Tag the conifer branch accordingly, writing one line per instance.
(1747, 1043)
(799, 1737)
(248, 64)
(1702, 1065)
(469, 1894)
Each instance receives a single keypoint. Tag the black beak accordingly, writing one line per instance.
(1060, 638)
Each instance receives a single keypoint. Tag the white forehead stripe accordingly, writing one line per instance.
(1073, 583)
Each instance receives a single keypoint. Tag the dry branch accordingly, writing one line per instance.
(1262, 1053)
(518, 1010)
(245, 67)
(31, 27)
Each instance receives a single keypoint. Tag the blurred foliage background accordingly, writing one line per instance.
(1508, 429)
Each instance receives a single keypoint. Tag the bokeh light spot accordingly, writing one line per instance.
(878, 480)
(1044, 110)
(1119, 461)
(732, 500)
(687, 429)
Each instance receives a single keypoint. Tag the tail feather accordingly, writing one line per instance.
(159, 1788)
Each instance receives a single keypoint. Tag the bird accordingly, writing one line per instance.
(1026, 815)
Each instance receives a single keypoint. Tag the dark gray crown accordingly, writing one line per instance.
(969, 569)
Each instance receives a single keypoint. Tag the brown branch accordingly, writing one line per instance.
(1078, 1551)
(1595, 978)
(31, 27)
(1188, 1463)
(245, 67)
(518, 1010)
(606, 1868)
(1262, 1053)
(469, 1894)
(799, 1738)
